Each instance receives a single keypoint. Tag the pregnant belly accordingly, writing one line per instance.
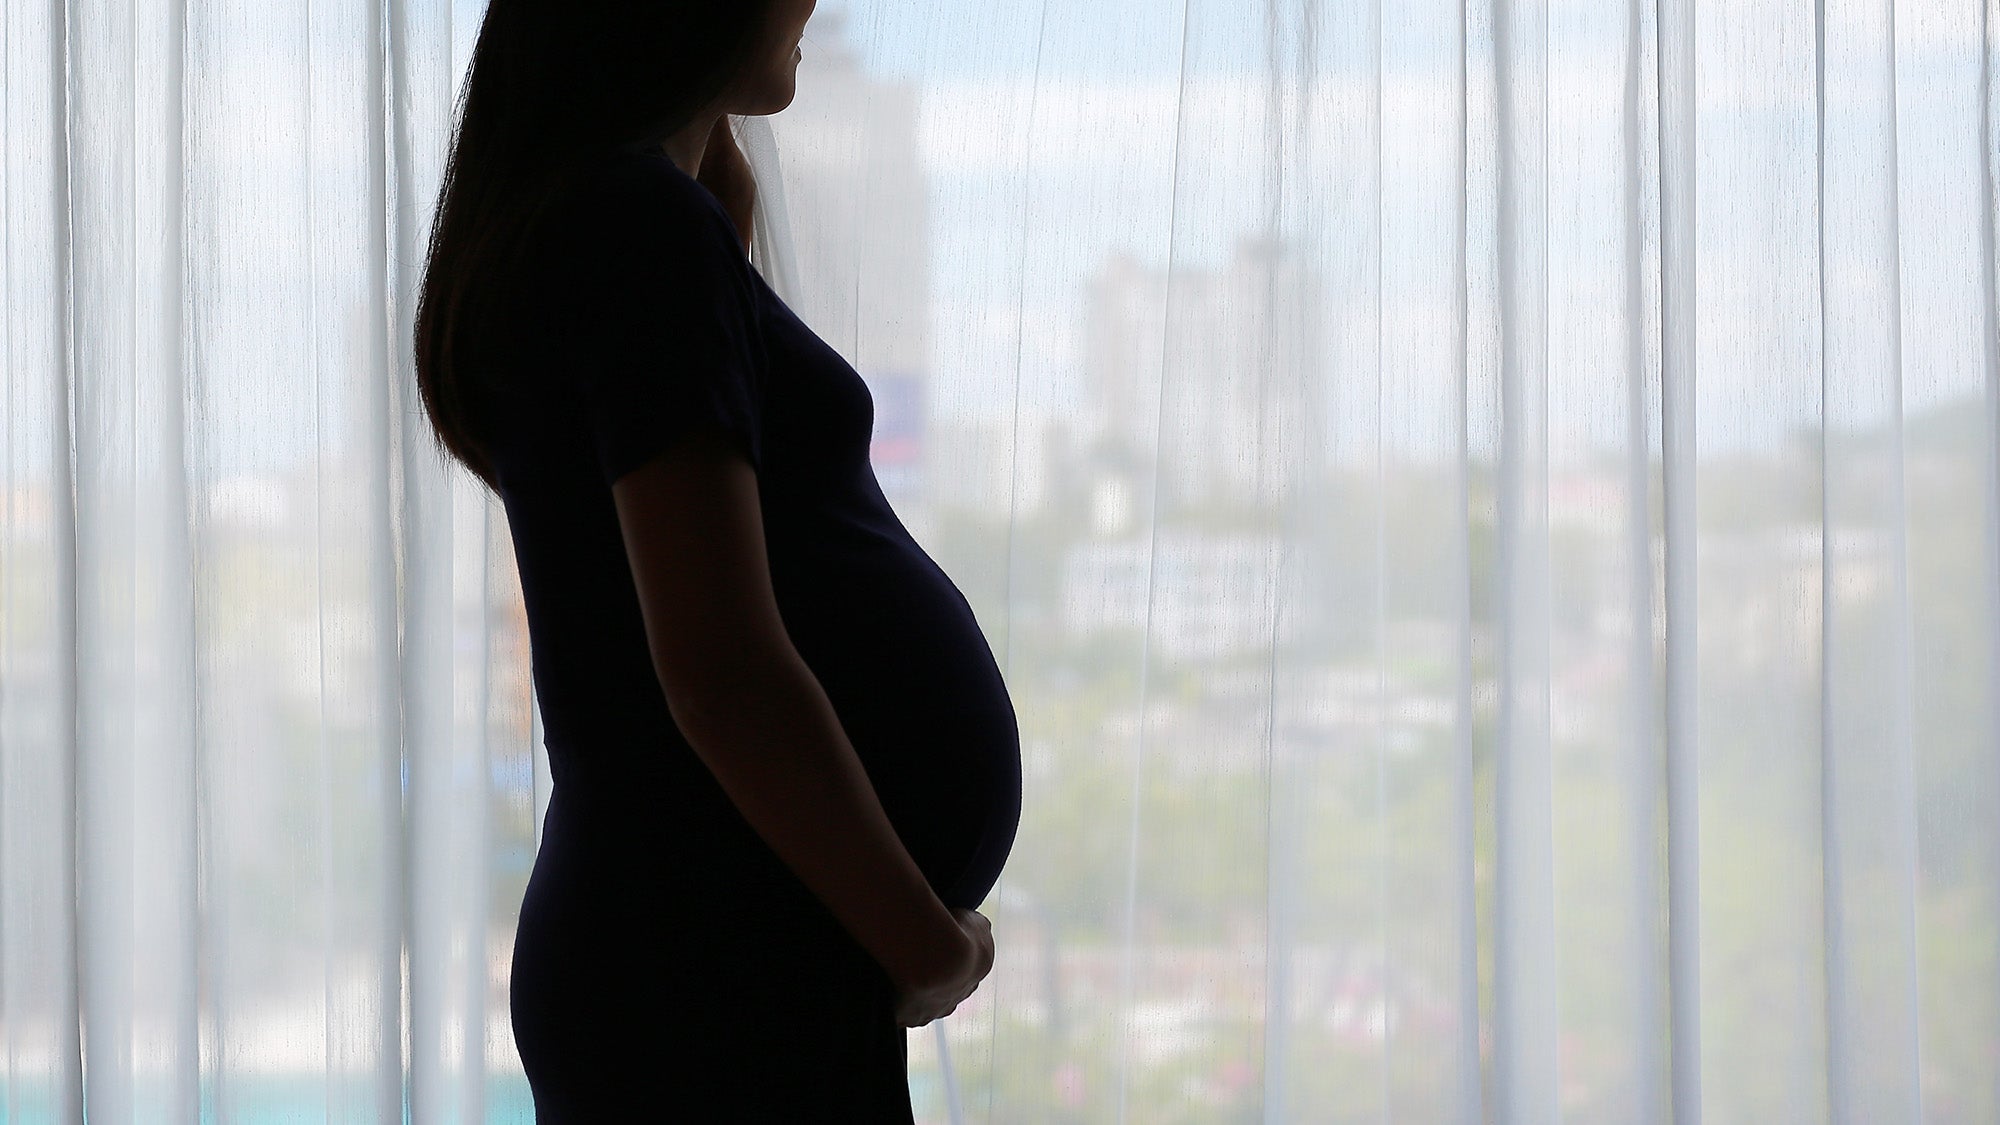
(944, 757)
(929, 715)
(919, 694)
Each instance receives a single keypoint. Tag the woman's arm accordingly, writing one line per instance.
(758, 717)
(770, 736)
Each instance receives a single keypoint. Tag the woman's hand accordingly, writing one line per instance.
(726, 174)
(920, 1003)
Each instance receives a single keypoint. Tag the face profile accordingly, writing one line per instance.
(771, 83)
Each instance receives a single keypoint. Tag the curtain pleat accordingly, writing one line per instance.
(1674, 43)
(1868, 751)
(1489, 511)
(38, 916)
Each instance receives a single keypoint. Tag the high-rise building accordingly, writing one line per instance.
(855, 192)
(1234, 350)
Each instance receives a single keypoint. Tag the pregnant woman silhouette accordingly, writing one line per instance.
(786, 767)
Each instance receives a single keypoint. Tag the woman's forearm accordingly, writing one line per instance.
(768, 733)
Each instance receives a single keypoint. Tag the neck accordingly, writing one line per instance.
(685, 148)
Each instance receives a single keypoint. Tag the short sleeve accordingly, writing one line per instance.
(665, 330)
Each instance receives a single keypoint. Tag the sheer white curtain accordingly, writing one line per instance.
(1488, 510)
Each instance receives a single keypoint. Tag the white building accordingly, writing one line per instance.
(1207, 595)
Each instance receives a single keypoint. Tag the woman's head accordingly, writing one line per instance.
(551, 85)
(629, 72)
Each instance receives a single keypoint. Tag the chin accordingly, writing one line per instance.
(776, 103)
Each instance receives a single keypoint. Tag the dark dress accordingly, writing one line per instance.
(667, 965)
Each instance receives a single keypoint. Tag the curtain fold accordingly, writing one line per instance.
(1489, 511)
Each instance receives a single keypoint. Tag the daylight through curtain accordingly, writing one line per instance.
(1488, 510)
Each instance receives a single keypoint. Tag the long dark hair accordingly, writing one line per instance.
(551, 85)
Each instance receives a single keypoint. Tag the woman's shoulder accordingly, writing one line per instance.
(632, 216)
